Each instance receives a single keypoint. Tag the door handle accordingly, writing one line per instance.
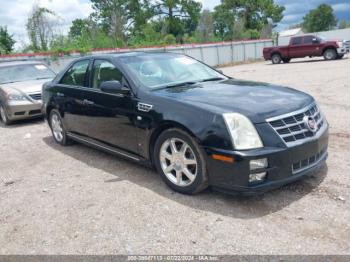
(60, 94)
(88, 102)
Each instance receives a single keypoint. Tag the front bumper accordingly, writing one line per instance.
(285, 165)
(19, 110)
(342, 51)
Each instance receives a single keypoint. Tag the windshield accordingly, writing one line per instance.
(161, 71)
(24, 72)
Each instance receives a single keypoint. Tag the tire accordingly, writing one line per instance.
(276, 59)
(340, 56)
(58, 131)
(180, 162)
(330, 54)
(3, 116)
(286, 60)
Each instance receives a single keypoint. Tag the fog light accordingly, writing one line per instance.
(253, 178)
(258, 164)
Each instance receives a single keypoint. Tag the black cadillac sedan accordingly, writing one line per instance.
(196, 126)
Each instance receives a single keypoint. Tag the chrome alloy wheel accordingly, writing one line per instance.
(56, 126)
(178, 162)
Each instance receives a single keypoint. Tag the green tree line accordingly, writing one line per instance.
(137, 23)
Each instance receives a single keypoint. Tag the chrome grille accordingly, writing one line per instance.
(35, 96)
(347, 44)
(292, 128)
(309, 162)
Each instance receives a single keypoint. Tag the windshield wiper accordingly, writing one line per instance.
(178, 84)
(213, 79)
(39, 78)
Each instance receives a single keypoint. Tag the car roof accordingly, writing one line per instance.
(15, 63)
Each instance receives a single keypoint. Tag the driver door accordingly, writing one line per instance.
(109, 118)
(311, 48)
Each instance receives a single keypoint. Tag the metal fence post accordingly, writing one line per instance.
(202, 54)
(218, 54)
(255, 51)
(244, 55)
(232, 52)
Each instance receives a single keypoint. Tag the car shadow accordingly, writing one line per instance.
(309, 61)
(224, 204)
(22, 123)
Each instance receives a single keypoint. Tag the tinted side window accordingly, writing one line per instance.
(296, 41)
(105, 71)
(308, 39)
(76, 75)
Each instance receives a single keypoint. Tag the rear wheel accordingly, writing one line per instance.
(180, 162)
(4, 118)
(276, 59)
(330, 54)
(57, 128)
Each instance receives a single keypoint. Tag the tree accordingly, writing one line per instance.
(78, 27)
(255, 13)
(224, 20)
(237, 19)
(6, 41)
(40, 27)
(180, 16)
(343, 24)
(205, 28)
(112, 16)
(120, 18)
(320, 19)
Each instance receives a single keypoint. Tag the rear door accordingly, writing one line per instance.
(68, 94)
(295, 48)
(109, 118)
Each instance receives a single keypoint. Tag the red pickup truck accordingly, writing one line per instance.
(307, 45)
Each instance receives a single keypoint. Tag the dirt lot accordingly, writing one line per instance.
(77, 200)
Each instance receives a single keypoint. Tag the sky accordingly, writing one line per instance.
(14, 13)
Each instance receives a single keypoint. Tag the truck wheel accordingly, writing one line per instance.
(276, 59)
(286, 60)
(330, 54)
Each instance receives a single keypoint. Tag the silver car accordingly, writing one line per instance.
(20, 89)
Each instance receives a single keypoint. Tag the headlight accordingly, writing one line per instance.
(243, 133)
(340, 44)
(16, 97)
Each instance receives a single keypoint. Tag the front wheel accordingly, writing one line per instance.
(180, 162)
(276, 59)
(4, 118)
(330, 54)
(57, 128)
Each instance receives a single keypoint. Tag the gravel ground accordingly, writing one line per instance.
(77, 200)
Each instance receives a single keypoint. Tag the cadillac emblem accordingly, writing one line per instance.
(310, 123)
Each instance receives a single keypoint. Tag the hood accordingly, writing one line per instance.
(26, 87)
(257, 101)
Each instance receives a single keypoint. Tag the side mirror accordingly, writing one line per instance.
(315, 40)
(113, 87)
